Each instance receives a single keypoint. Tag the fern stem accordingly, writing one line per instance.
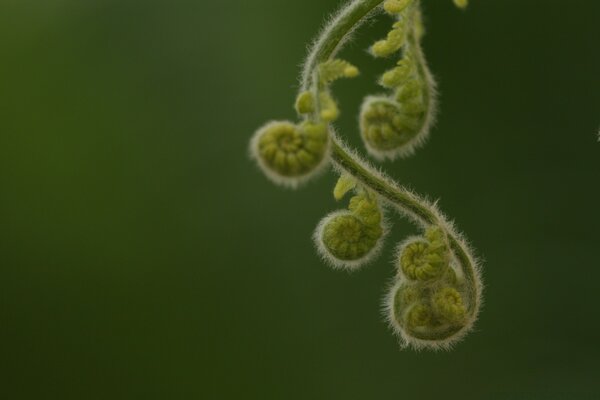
(333, 36)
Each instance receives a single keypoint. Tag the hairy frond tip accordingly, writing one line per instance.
(305, 102)
(390, 129)
(424, 258)
(344, 184)
(430, 304)
(335, 69)
(290, 154)
(395, 125)
(392, 43)
(349, 239)
(427, 317)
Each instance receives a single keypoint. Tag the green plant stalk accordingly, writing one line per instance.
(333, 37)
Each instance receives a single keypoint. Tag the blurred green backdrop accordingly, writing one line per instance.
(142, 255)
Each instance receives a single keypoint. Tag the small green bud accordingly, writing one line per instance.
(425, 260)
(350, 71)
(344, 184)
(305, 103)
(335, 69)
(329, 108)
(392, 43)
(398, 75)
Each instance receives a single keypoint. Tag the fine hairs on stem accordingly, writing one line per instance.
(436, 294)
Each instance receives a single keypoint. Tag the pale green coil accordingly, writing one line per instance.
(289, 150)
(428, 313)
(387, 125)
(425, 259)
(352, 235)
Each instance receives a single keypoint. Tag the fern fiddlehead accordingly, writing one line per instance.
(436, 294)
(396, 124)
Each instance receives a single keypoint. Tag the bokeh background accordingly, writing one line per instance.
(142, 255)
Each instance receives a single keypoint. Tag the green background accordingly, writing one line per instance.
(142, 255)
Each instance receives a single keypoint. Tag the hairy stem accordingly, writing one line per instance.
(410, 204)
(397, 196)
(334, 35)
